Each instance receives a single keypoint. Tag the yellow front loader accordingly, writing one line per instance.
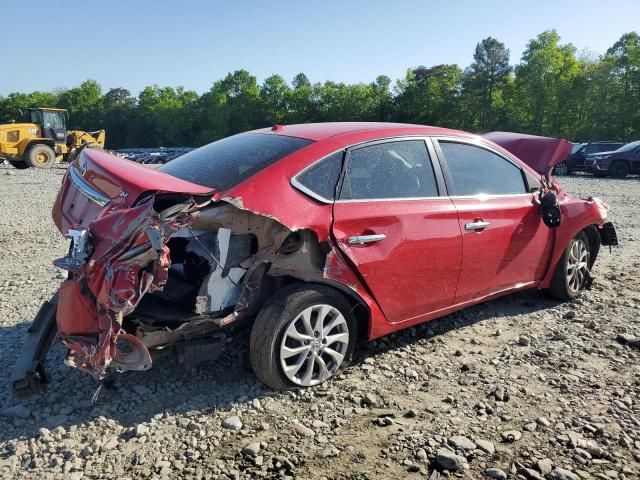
(45, 140)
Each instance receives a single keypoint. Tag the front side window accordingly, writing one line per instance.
(227, 162)
(322, 178)
(399, 169)
(477, 171)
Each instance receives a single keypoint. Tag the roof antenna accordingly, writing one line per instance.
(277, 127)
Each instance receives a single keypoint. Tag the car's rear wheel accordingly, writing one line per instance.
(573, 271)
(561, 169)
(305, 335)
(619, 169)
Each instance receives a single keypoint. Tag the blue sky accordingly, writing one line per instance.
(131, 44)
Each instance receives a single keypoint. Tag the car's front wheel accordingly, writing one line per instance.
(305, 335)
(573, 271)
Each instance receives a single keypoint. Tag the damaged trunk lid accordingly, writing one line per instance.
(97, 182)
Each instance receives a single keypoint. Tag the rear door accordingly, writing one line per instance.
(506, 245)
(393, 221)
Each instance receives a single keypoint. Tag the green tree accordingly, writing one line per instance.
(118, 117)
(231, 106)
(274, 97)
(543, 80)
(166, 113)
(301, 80)
(430, 95)
(484, 81)
(623, 61)
(84, 104)
(383, 98)
(14, 107)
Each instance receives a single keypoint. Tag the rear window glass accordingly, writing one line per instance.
(227, 162)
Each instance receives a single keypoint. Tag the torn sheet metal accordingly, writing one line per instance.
(130, 258)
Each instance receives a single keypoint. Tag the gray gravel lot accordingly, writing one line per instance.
(521, 387)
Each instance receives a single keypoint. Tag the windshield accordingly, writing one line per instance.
(577, 147)
(227, 162)
(629, 146)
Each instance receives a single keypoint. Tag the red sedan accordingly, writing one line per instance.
(315, 235)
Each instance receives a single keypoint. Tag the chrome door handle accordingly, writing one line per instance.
(476, 225)
(363, 239)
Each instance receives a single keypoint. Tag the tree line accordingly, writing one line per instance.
(552, 91)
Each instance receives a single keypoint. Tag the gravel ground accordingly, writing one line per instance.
(521, 387)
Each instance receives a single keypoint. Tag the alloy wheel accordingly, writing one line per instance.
(314, 345)
(577, 265)
(562, 169)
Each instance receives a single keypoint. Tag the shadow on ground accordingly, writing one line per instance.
(135, 397)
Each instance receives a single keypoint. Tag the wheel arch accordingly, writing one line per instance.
(38, 141)
(359, 306)
(591, 231)
(622, 160)
(30, 142)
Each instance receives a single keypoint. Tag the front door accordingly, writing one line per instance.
(506, 245)
(393, 221)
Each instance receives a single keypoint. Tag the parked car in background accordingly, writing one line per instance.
(576, 161)
(618, 163)
(313, 235)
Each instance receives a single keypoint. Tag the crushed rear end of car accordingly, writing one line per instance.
(157, 262)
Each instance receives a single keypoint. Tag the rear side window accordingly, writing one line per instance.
(322, 178)
(476, 171)
(400, 169)
(227, 162)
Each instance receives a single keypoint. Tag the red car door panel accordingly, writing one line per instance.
(402, 236)
(512, 250)
(505, 242)
(415, 268)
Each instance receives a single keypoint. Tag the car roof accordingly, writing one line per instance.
(322, 131)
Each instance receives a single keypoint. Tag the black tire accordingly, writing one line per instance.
(20, 165)
(561, 287)
(619, 169)
(40, 156)
(277, 316)
(562, 169)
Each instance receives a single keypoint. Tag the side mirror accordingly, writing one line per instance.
(550, 210)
